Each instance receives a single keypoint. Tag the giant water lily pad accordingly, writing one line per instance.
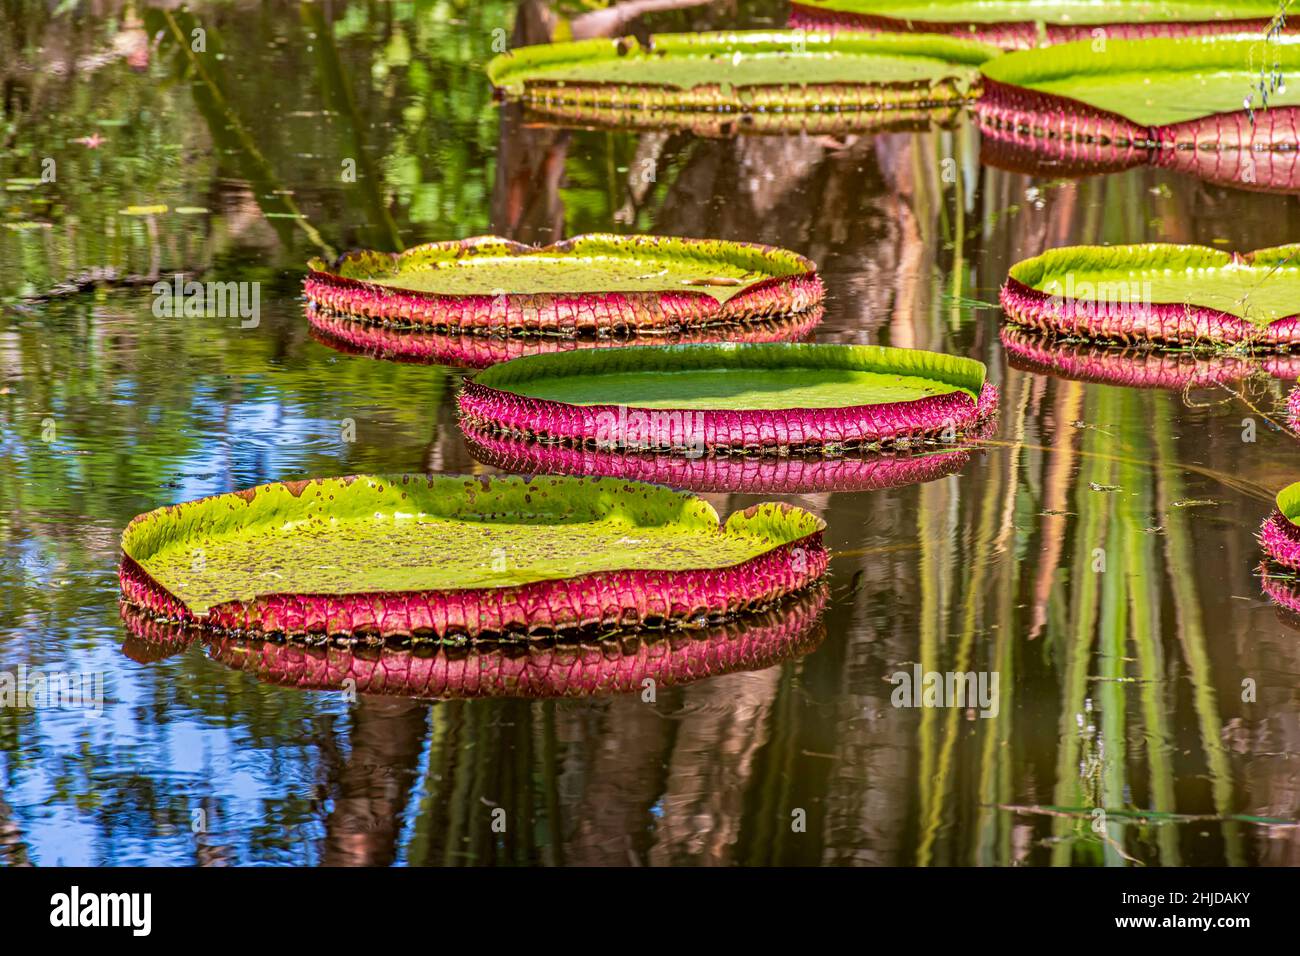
(770, 80)
(1215, 107)
(595, 283)
(725, 474)
(617, 662)
(1169, 294)
(458, 556)
(1280, 535)
(1019, 24)
(707, 399)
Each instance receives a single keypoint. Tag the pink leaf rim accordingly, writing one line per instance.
(476, 350)
(1142, 366)
(1133, 323)
(544, 669)
(562, 313)
(1013, 34)
(626, 598)
(724, 474)
(489, 411)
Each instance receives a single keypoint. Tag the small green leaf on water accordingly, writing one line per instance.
(1096, 487)
(1196, 503)
(191, 210)
(154, 210)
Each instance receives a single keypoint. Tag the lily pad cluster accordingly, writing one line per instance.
(588, 284)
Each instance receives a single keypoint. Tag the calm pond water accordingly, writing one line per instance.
(1098, 553)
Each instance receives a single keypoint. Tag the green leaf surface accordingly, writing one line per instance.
(415, 533)
(1159, 81)
(1260, 289)
(737, 377)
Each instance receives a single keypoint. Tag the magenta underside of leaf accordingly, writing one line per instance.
(1293, 408)
(1137, 367)
(485, 410)
(1175, 324)
(1031, 131)
(562, 313)
(539, 669)
(1281, 540)
(609, 599)
(479, 350)
(1012, 35)
(723, 475)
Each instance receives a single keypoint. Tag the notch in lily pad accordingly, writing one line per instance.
(1172, 295)
(461, 558)
(585, 285)
(697, 400)
(774, 81)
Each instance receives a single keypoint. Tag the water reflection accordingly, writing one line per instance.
(475, 350)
